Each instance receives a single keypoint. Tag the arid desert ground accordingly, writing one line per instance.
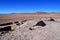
(51, 31)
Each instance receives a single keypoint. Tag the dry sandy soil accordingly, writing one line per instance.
(19, 17)
(49, 32)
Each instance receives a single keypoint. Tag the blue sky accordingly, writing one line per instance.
(16, 6)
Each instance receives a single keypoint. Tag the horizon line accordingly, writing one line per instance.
(28, 12)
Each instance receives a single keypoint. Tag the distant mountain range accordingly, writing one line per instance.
(32, 13)
(36, 13)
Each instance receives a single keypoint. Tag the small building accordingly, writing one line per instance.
(23, 21)
(7, 26)
(51, 19)
(40, 23)
(17, 23)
